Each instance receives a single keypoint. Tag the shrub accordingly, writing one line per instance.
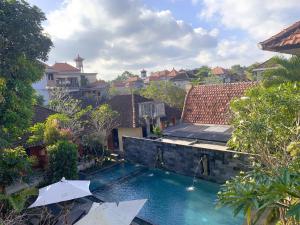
(62, 161)
(14, 165)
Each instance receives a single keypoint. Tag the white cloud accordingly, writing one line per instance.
(260, 18)
(116, 35)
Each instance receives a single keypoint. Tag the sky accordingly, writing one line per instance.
(118, 35)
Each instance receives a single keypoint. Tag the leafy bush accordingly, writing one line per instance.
(62, 161)
(14, 165)
(267, 124)
(262, 190)
(157, 131)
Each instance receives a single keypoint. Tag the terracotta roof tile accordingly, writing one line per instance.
(288, 37)
(218, 71)
(209, 104)
(64, 67)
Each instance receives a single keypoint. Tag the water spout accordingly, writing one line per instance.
(202, 161)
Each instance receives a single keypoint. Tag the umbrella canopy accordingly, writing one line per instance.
(112, 213)
(63, 190)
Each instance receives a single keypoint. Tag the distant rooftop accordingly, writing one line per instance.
(64, 67)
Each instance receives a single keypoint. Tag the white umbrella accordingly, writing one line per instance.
(111, 213)
(63, 190)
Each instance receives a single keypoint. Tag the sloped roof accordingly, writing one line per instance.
(64, 67)
(160, 73)
(218, 71)
(286, 41)
(128, 108)
(209, 104)
(173, 73)
(41, 113)
(98, 84)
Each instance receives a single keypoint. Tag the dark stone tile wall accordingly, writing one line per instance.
(182, 159)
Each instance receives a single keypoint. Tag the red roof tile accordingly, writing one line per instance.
(288, 38)
(218, 71)
(64, 67)
(173, 73)
(209, 104)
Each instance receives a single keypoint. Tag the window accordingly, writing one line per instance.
(50, 76)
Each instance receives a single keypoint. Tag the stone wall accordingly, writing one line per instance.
(216, 165)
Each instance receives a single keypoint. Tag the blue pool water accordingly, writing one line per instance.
(112, 174)
(169, 201)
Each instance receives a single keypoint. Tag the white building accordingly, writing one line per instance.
(66, 76)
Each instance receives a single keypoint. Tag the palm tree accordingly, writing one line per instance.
(287, 70)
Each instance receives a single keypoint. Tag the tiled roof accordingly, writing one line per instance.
(41, 113)
(134, 79)
(218, 71)
(160, 73)
(128, 115)
(173, 73)
(98, 83)
(64, 67)
(209, 104)
(288, 38)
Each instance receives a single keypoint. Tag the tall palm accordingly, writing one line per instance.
(287, 69)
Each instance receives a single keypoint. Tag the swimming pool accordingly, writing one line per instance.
(169, 200)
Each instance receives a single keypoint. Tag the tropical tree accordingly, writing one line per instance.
(103, 120)
(124, 76)
(23, 43)
(201, 74)
(166, 92)
(63, 103)
(288, 69)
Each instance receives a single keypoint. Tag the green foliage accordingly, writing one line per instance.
(124, 76)
(212, 80)
(14, 165)
(92, 145)
(288, 70)
(157, 131)
(17, 200)
(264, 191)
(37, 131)
(237, 69)
(56, 128)
(266, 121)
(39, 99)
(249, 71)
(23, 42)
(62, 161)
(166, 92)
(103, 120)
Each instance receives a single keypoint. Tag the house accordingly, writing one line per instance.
(261, 68)
(181, 78)
(206, 112)
(131, 83)
(222, 73)
(131, 123)
(98, 89)
(286, 41)
(64, 75)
